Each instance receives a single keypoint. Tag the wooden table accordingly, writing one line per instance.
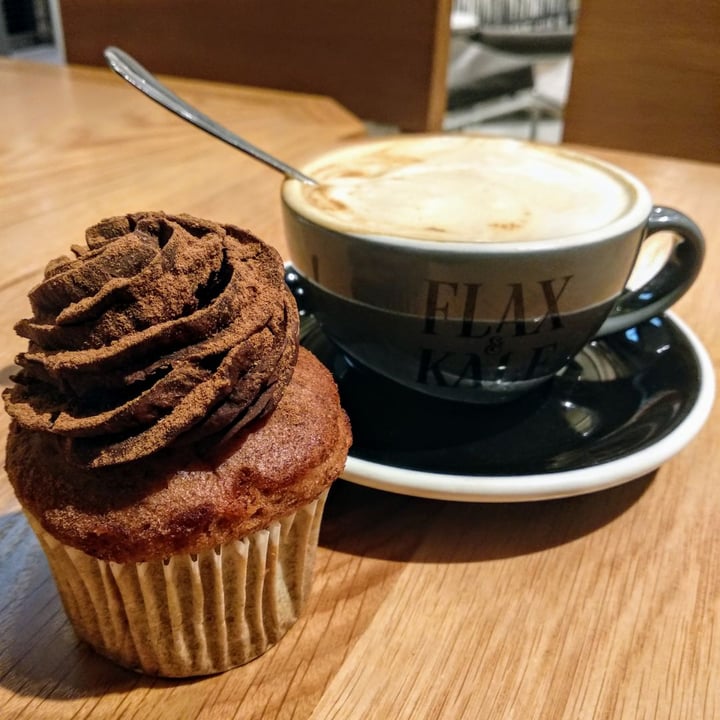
(599, 606)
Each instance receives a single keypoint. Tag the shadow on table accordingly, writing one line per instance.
(367, 522)
(40, 656)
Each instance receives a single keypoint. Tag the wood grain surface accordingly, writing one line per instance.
(600, 606)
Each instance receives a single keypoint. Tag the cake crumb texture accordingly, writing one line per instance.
(190, 498)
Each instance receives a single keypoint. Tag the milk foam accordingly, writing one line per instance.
(460, 188)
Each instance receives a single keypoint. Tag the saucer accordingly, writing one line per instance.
(627, 403)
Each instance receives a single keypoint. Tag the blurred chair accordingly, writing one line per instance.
(646, 77)
(384, 61)
(24, 24)
(515, 53)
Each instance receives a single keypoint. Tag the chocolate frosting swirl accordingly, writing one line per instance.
(162, 330)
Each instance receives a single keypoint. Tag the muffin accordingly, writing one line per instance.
(170, 443)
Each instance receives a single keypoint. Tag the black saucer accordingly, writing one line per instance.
(636, 396)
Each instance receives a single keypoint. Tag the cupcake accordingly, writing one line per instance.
(171, 445)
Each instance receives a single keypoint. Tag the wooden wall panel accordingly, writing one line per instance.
(384, 61)
(646, 77)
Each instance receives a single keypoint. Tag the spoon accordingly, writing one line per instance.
(131, 70)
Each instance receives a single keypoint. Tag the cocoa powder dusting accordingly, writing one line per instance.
(162, 330)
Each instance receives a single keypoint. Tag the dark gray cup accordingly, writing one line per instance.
(483, 322)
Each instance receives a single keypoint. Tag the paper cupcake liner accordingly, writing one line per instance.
(191, 614)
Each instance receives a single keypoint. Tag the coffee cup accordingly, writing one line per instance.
(474, 268)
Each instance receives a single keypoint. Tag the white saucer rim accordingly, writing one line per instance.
(545, 486)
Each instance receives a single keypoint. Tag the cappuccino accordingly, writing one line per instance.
(474, 268)
(460, 188)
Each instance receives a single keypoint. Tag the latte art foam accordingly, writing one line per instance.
(459, 188)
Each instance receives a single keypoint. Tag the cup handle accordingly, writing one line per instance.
(670, 282)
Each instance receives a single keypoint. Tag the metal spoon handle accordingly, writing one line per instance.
(131, 70)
